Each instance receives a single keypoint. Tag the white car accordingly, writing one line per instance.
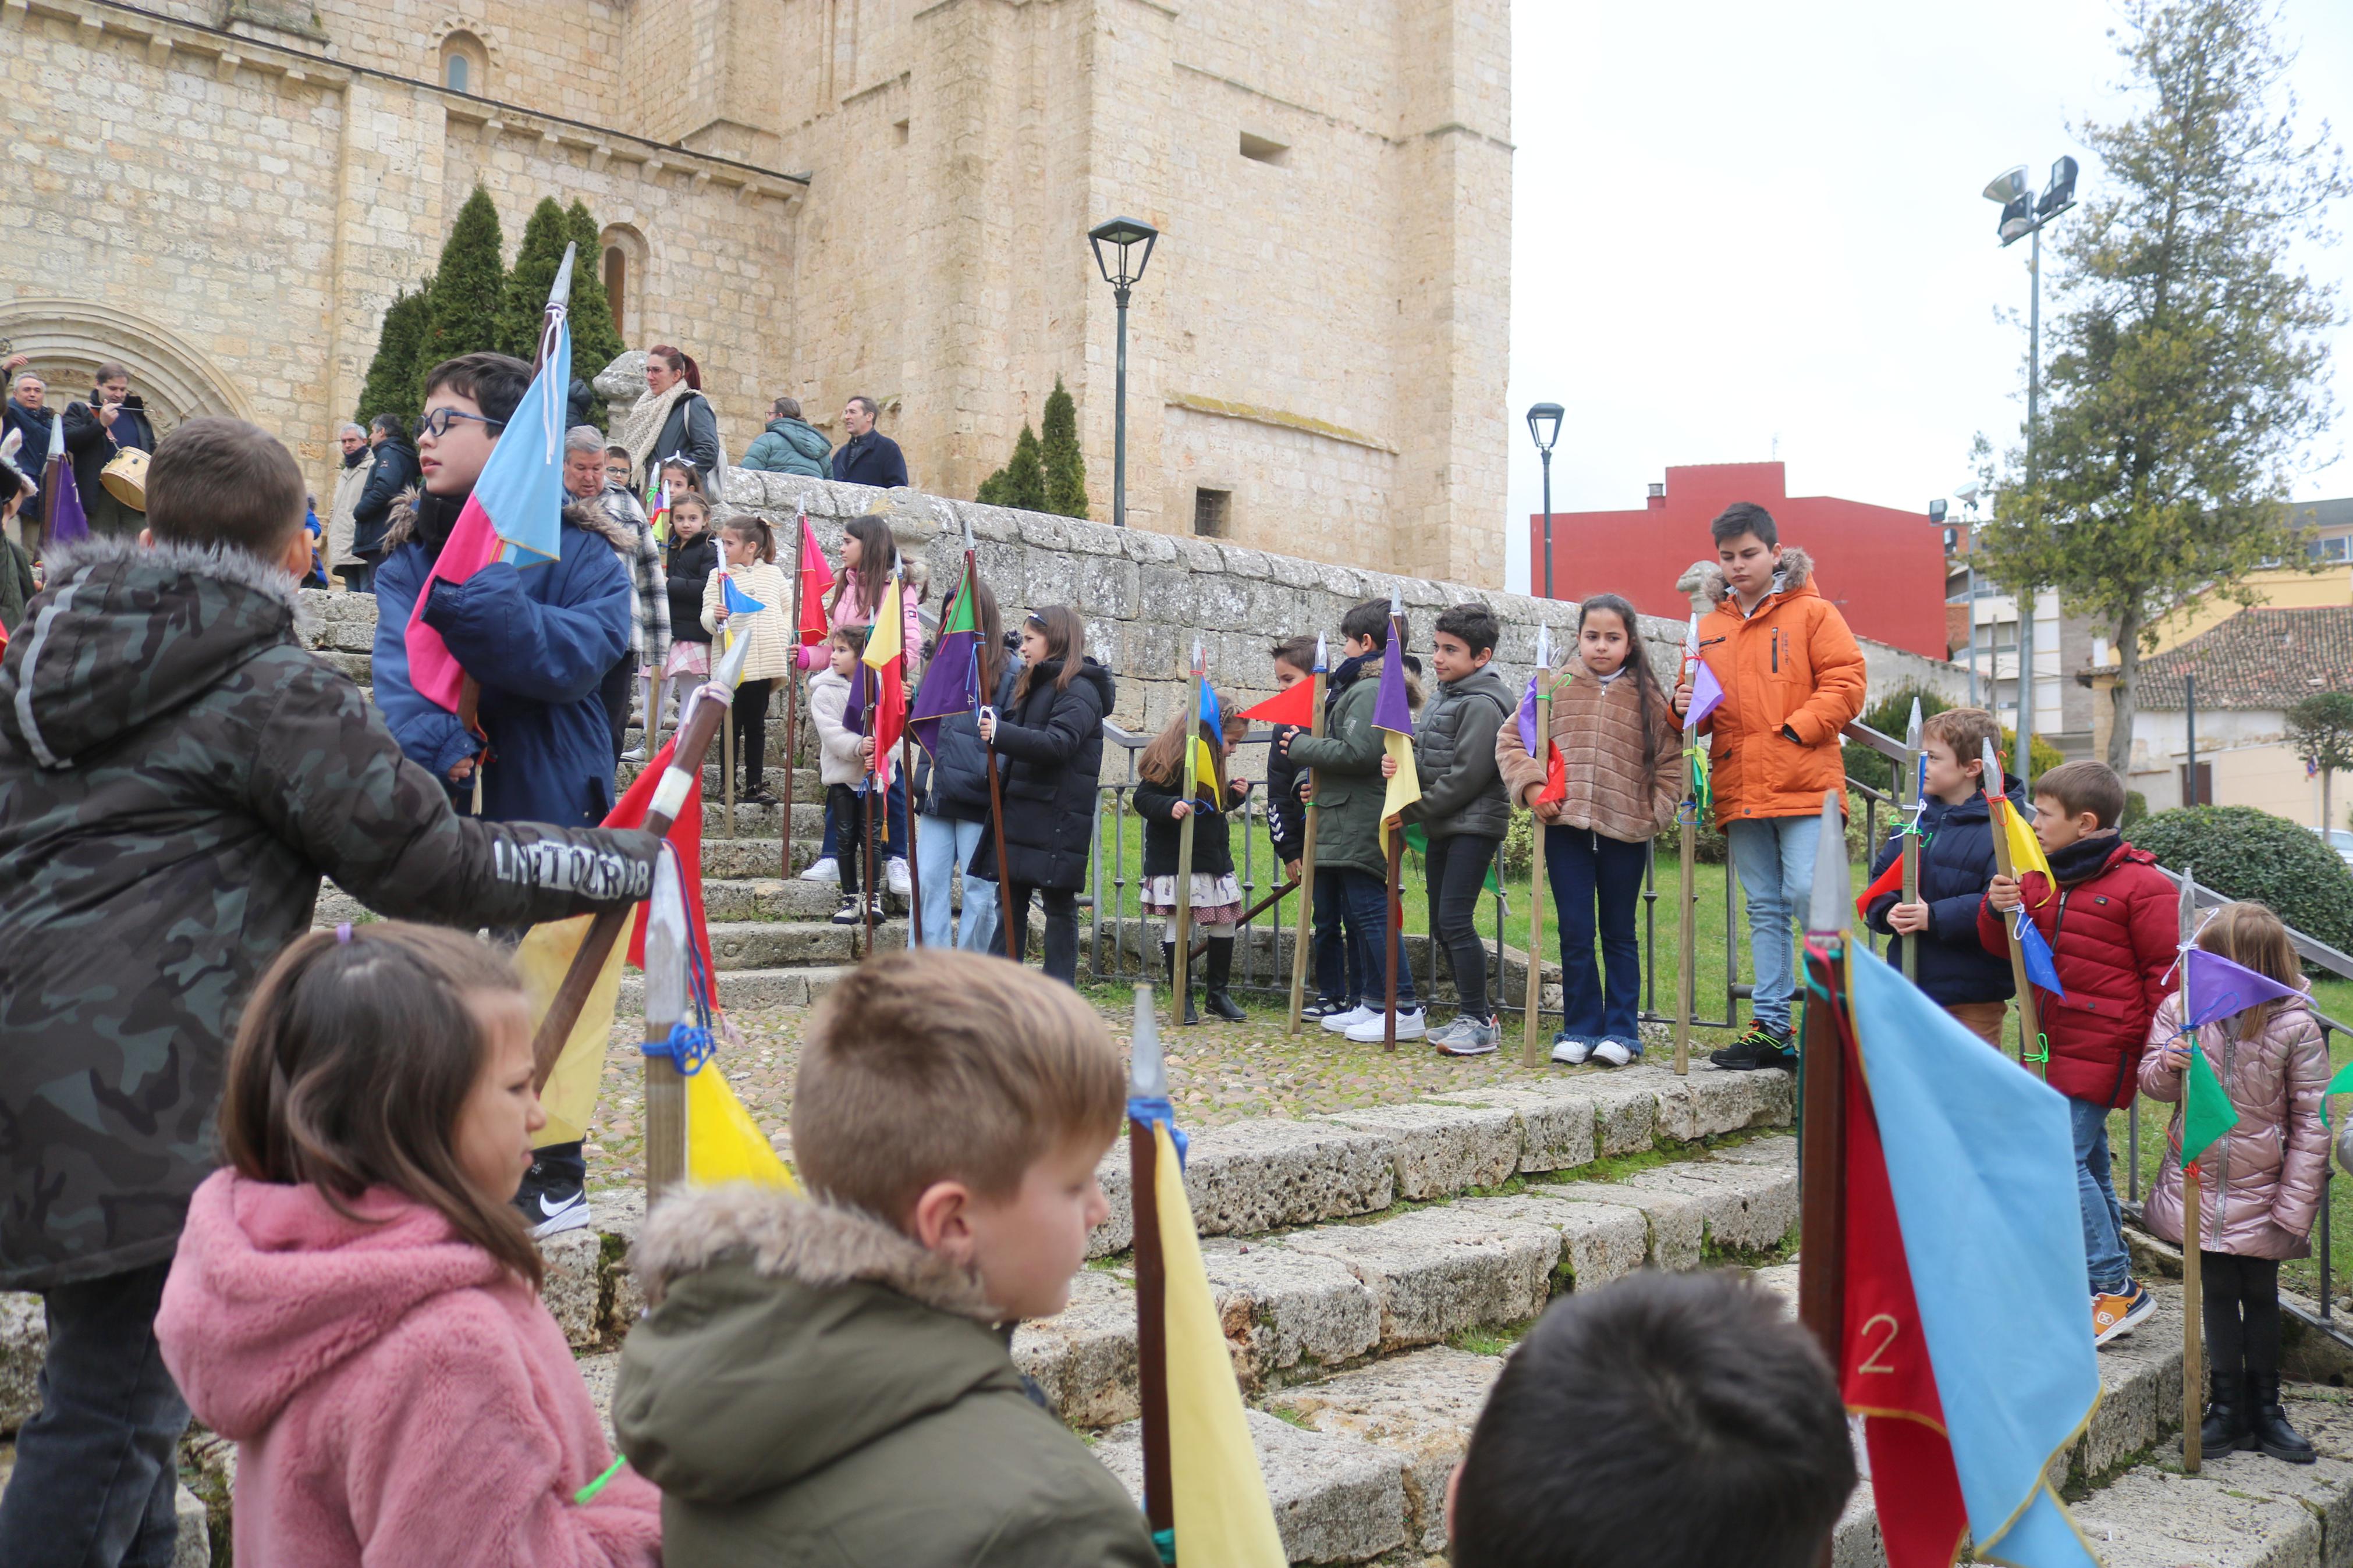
(2340, 839)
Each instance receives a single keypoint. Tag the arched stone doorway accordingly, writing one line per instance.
(68, 339)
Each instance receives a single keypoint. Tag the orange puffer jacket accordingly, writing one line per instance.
(1792, 666)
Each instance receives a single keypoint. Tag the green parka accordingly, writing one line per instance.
(814, 1389)
(1349, 788)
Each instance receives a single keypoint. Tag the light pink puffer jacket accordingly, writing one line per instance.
(2259, 1184)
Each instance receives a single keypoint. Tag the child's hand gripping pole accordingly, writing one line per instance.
(2031, 1047)
(1303, 939)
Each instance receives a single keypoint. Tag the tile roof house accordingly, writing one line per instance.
(2259, 658)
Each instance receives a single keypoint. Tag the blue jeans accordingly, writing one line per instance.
(944, 845)
(894, 809)
(98, 1469)
(1775, 859)
(1339, 974)
(2110, 1265)
(1591, 872)
(1366, 900)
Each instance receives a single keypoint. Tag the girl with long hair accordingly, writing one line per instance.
(952, 804)
(870, 554)
(1217, 897)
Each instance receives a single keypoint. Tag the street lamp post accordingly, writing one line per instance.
(2023, 218)
(1543, 424)
(1121, 234)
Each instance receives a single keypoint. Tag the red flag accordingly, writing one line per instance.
(1294, 704)
(890, 719)
(1888, 881)
(685, 837)
(817, 581)
(1884, 1372)
(1556, 784)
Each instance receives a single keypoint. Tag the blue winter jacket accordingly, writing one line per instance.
(540, 639)
(1955, 863)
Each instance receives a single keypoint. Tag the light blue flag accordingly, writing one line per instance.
(1980, 1160)
(739, 603)
(2042, 969)
(522, 484)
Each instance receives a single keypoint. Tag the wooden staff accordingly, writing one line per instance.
(1918, 761)
(915, 869)
(1147, 1084)
(1304, 940)
(727, 750)
(1687, 905)
(2193, 1221)
(1821, 1131)
(667, 937)
(1180, 957)
(1532, 1014)
(671, 795)
(793, 694)
(866, 727)
(1252, 912)
(1396, 836)
(2029, 1033)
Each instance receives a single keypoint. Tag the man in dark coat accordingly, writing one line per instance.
(28, 412)
(112, 421)
(177, 773)
(396, 472)
(869, 456)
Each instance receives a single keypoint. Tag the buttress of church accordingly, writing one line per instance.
(820, 199)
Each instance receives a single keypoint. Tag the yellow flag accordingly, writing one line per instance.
(2025, 849)
(722, 1142)
(1405, 788)
(1205, 768)
(888, 638)
(1217, 1493)
(542, 959)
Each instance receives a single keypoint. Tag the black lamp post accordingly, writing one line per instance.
(1121, 234)
(1544, 424)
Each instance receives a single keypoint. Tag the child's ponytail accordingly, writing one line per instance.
(355, 1060)
(1638, 669)
(751, 525)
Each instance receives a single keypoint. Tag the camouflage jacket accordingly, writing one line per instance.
(176, 772)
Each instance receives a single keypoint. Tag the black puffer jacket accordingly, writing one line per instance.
(1454, 753)
(1053, 752)
(691, 563)
(395, 474)
(1213, 852)
(1286, 813)
(176, 772)
(955, 785)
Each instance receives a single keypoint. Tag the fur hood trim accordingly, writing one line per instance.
(785, 1236)
(1797, 571)
(400, 520)
(222, 562)
(400, 524)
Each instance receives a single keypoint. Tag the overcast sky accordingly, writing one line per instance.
(1737, 225)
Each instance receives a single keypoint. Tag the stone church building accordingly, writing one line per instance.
(825, 197)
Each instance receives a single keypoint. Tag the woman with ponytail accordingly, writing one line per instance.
(672, 418)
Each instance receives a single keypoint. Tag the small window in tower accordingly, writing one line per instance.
(463, 60)
(1258, 149)
(616, 283)
(898, 131)
(1212, 510)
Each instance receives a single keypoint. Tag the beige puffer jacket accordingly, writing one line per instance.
(2259, 1184)
(771, 631)
(1600, 731)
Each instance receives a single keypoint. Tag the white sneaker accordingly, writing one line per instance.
(1341, 1023)
(896, 874)
(828, 869)
(1409, 1027)
(1571, 1051)
(634, 754)
(1617, 1053)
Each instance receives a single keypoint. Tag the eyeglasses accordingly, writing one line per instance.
(437, 423)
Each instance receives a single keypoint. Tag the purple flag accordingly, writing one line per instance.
(1528, 717)
(1706, 693)
(1390, 710)
(2218, 988)
(68, 522)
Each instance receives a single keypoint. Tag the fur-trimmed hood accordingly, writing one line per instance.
(1797, 571)
(592, 516)
(784, 1237)
(125, 634)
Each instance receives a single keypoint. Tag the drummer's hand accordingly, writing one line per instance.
(106, 413)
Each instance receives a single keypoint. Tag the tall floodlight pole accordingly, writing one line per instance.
(1544, 424)
(1121, 234)
(2023, 218)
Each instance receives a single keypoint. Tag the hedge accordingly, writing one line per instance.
(2244, 853)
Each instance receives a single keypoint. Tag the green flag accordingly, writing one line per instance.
(2206, 1114)
(2341, 1084)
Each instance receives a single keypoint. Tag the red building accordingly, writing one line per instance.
(1884, 569)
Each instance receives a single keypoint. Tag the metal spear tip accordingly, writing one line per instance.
(1147, 1072)
(559, 293)
(666, 940)
(1912, 727)
(1396, 606)
(729, 670)
(1322, 658)
(1834, 906)
(2186, 915)
(1992, 760)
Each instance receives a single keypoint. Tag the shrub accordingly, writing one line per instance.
(1892, 713)
(392, 375)
(1066, 465)
(2244, 853)
(462, 312)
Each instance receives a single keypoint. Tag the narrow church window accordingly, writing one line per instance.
(456, 73)
(1210, 508)
(616, 283)
(1258, 149)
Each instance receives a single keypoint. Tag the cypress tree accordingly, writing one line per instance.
(595, 341)
(1066, 465)
(1025, 475)
(992, 491)
(462, 312)
(392, 375)
(526, 302)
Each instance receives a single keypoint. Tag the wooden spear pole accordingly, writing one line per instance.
(1687, 901)
(2029, 1033)
(793, 695)
(1148, 1084)
(1916, 765)
(1532, 1012)
(1822, 1133)
(996, 794)
(2193, 1222)
(1394, 949)
(872, 873)
(1304, 940)
(915, 871)
(1251, 913)
(667, 936)
(1180, 958)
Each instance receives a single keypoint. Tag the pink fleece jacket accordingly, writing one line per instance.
(396, 1397)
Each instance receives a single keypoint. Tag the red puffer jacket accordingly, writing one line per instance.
(2111, 936)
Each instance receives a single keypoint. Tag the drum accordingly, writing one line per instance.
(125, 478)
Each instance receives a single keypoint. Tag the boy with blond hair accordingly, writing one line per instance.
(827, 1378)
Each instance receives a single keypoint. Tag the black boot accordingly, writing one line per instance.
(2229, 1423)
(1220, 974)
(1169, 961)
(2273, 1435)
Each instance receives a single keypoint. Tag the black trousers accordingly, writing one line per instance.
(1061, 945)
(751, 732)
(618, 682)
(2243, 1313)
(1458, 869)
(845, 813)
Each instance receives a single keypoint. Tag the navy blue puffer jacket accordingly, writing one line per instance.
(1955, 863)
